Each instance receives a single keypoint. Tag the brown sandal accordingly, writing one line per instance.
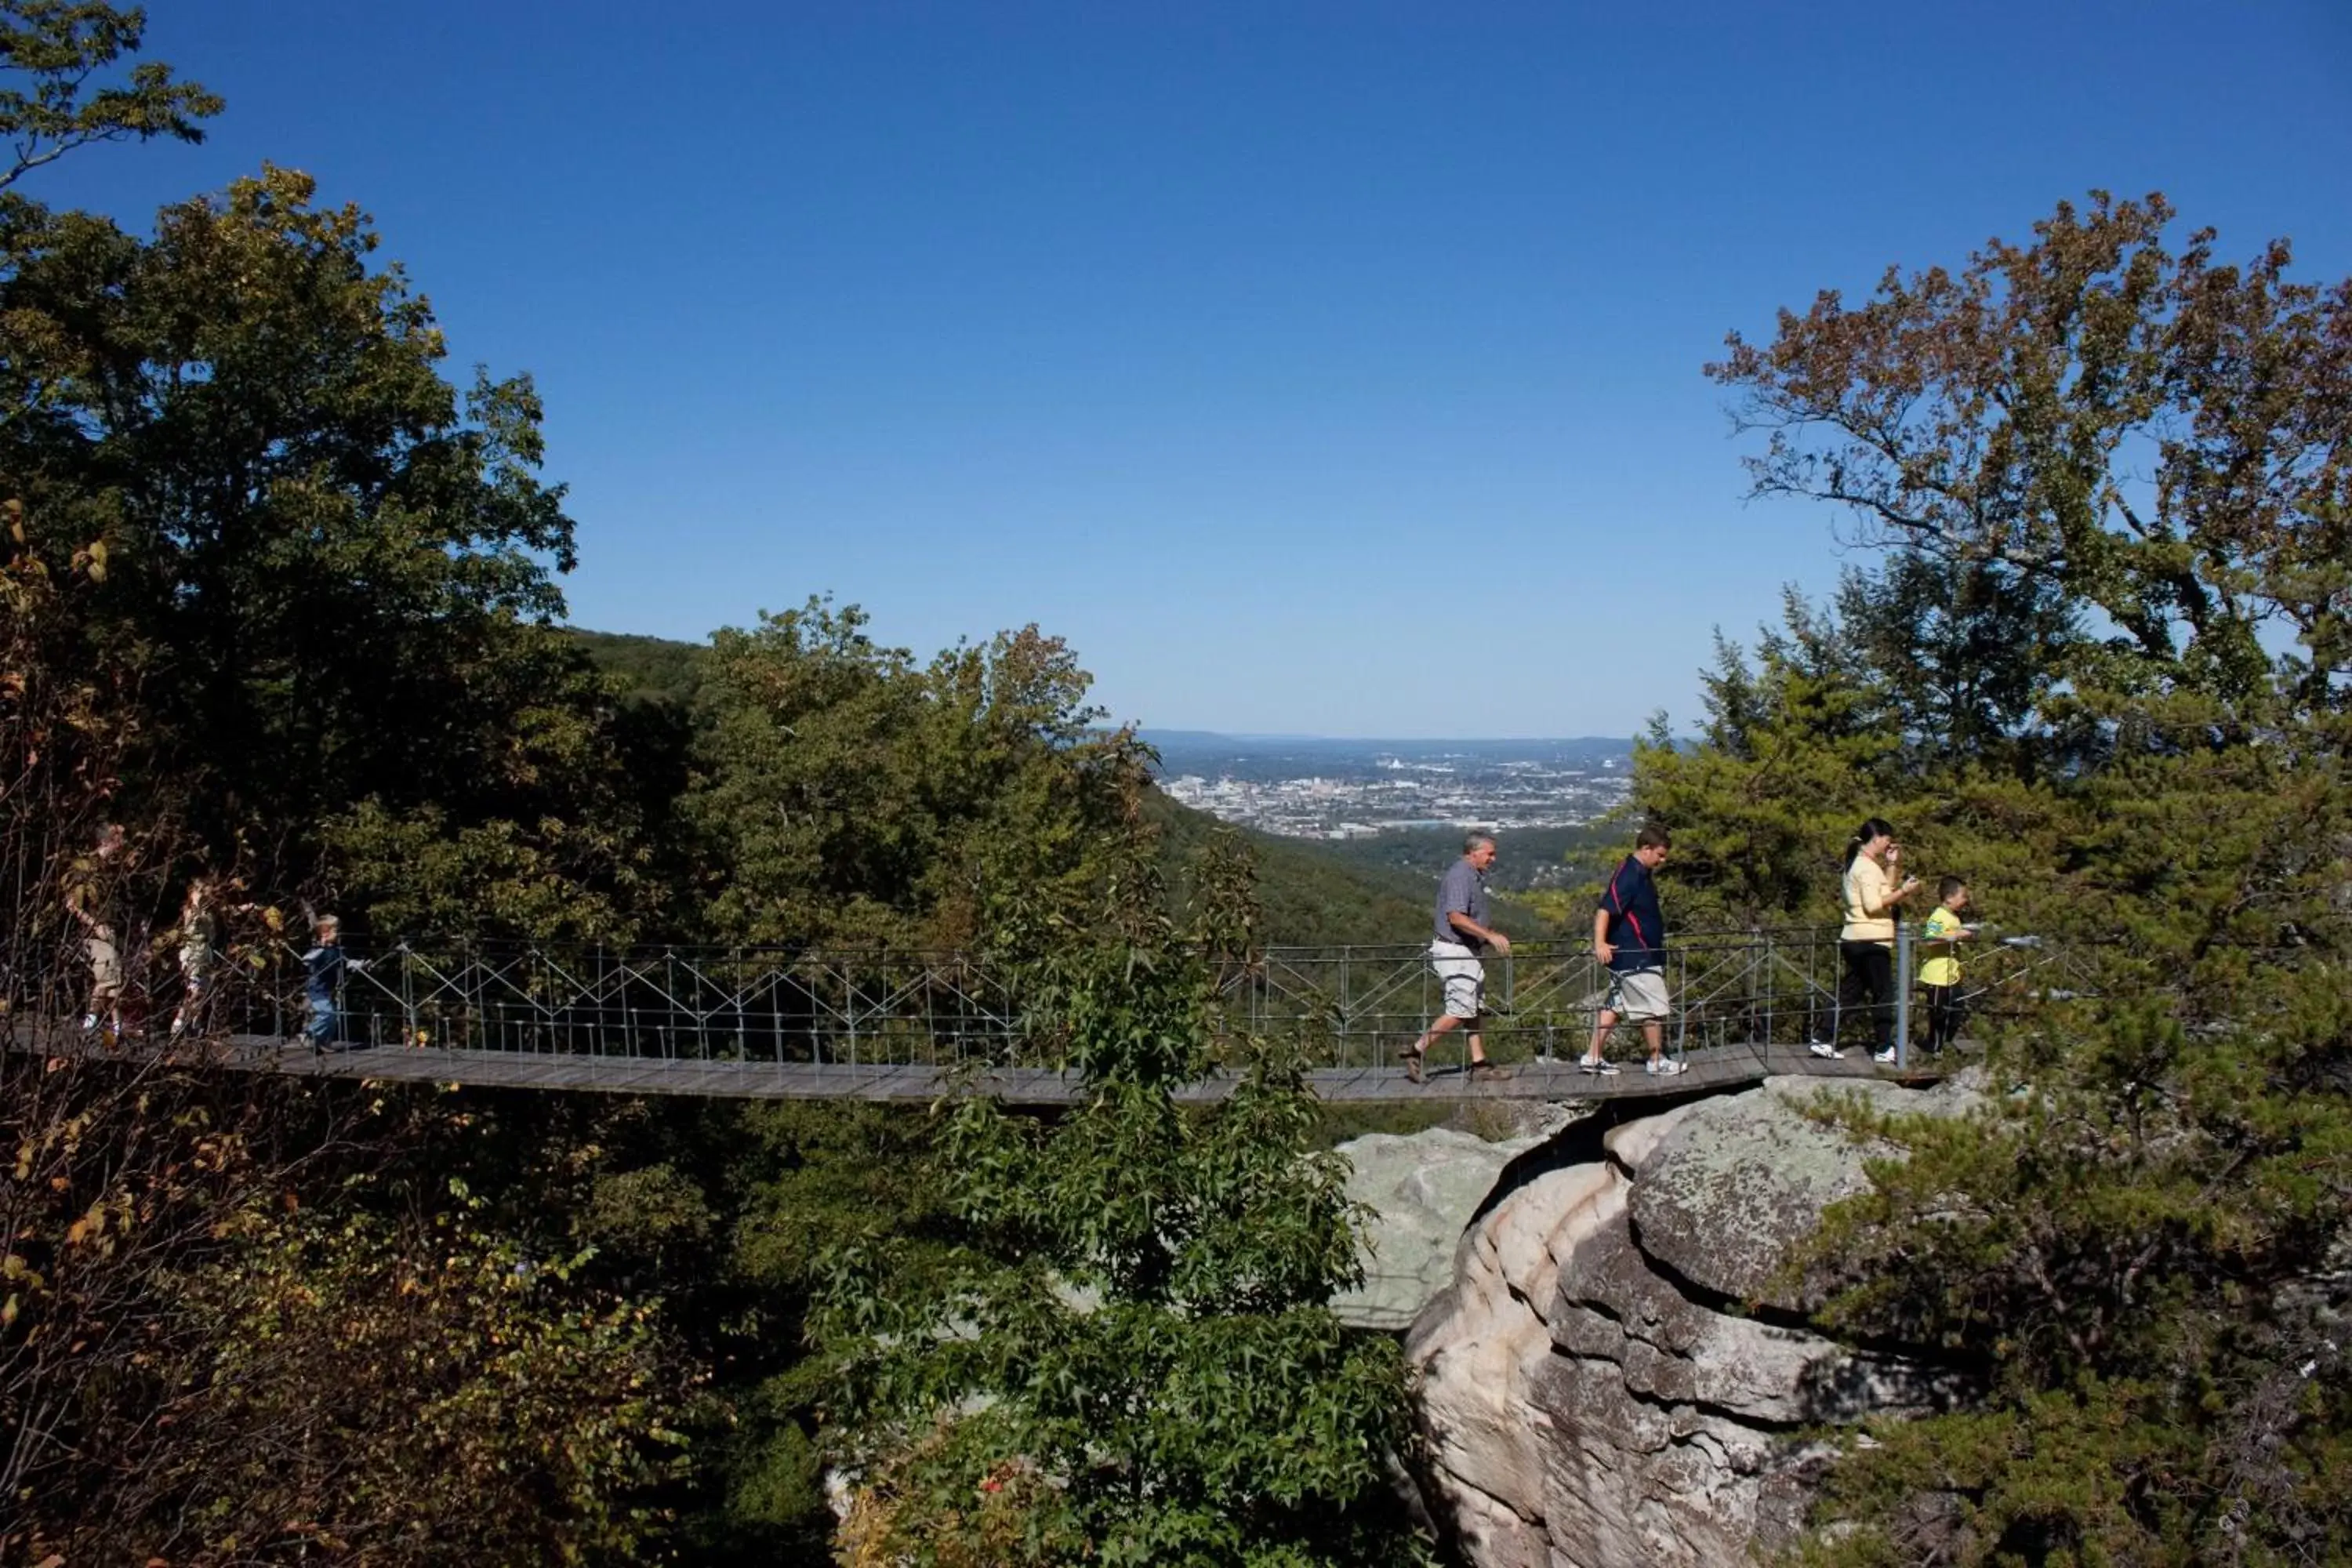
(1412, 1065)
(1486, 1072)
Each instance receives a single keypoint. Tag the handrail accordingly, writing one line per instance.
(1356, 1005)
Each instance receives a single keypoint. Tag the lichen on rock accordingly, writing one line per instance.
(1594, 1388)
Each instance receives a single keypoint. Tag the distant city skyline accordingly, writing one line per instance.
(1336, 788)
(1326, 369)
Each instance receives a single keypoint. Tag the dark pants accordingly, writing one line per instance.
(1945, 1014)
(1866, 989)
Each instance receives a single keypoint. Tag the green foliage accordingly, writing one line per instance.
(649, 670)
(1128, 1358)
(60, 47)
(2157, 432)
(850, 795)
(323, 574)
(198, 1362)
(412, 1397)
(1797, 749)
(2136, 1252)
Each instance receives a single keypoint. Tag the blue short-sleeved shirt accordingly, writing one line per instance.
(1637, 926)
(1464, 890)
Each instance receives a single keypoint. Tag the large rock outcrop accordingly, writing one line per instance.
(1595, 1393)
(1424, 1189)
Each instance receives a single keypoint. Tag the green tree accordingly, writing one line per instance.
(850, 795)
(2138, 1252)
(60, 47)
(237, 1324)
(1800, 743)
(1130, 1358)
(2159, 433)
(1973, 652)
(326, 578)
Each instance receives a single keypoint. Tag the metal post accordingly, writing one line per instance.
(1760, 948)
(1902, 993)
(1837, 996)
(1681, 995)
(1347, 1014)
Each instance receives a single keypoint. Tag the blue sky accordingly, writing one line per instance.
(1322, 369)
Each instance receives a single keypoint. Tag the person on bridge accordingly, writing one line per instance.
(1939, 977)
(323, 976)
(199, 932)
(1873, 901)
(1629, 935)
(91, 895)
(1459, 936)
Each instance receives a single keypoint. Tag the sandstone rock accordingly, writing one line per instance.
(1591, 1394)
(1727, 1191)
(1483, 1348)
(1629, 1143)
(1424, 1189)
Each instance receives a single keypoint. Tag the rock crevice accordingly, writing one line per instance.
(1594, 1390)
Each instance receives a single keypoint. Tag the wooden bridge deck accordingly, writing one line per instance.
(1721, 1067)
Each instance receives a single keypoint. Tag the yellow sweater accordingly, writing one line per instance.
(1869, 903)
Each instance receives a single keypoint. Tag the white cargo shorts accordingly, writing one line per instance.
(1637, 993)
(1464, 977)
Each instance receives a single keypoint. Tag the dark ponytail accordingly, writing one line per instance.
(1876, 827)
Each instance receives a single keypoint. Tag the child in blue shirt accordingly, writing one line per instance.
(323, 968)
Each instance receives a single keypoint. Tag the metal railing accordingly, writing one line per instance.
(1354, 1007)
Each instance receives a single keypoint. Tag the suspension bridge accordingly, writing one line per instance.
(901, 1026)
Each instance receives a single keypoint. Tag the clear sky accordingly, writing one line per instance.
(1314, 368)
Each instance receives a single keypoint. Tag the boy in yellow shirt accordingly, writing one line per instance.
(1940, 975)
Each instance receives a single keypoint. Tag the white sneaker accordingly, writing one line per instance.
(1664, 1067)
(1822, 1049)
(1604, 1066)
(1886, 1055)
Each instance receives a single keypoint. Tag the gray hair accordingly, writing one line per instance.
(1471, 841)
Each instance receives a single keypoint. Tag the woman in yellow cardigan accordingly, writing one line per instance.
(1873, 901)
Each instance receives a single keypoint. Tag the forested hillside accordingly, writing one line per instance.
(1311, 893)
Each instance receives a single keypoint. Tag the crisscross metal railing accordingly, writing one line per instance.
(1355, 1006)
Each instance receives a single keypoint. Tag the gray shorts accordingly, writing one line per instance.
(1463, 976)
(1638, 994)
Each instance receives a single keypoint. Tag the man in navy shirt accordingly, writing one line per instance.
(1458, 934)
(1629, 935)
